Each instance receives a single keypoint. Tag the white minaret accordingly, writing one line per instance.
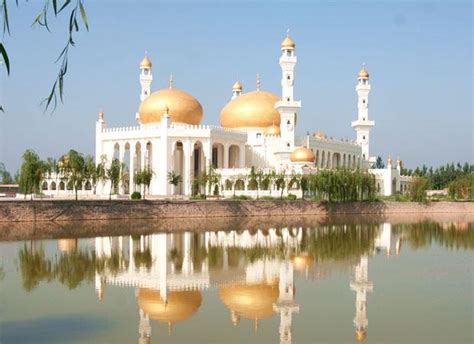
(236, 89)
(286, 302)
(287, 106)
(361, 285)
(145, 77)
(362, 125)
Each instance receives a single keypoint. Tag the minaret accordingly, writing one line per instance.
(145, 77)
(236, 89)
(361, 285)
(362, 125)
(286, 302)
(287, 106)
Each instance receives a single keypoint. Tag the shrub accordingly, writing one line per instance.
(199, 196)
(241, 198)
(417, 189)
(136, 195)
(291, 197)
(461, 187)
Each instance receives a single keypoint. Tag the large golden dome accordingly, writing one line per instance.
(179, 306)
(302, 154)
(183, 107)
(252, 301)
(273, 130)
(251, 110)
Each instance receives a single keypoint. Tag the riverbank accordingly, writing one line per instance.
(67, 210)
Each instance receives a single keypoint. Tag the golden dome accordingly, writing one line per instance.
(67, 245)
(237, 86)
(288, 43)
(251, 110)
(183, 107)
(146, 62)
(363, 73)
(272, 130)
(252, 301)
(360, 335)
(320, 135)
(302, 154)
(302, 262)
(179, 306)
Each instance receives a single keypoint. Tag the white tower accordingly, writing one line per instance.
(287, 106)
(286, 302)
(145, 77)
(361, 285)
(362, 125)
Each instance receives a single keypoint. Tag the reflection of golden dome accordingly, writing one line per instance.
(360, 335)
(146, 340)
(363, 73)
(183, 107)
(146, 62)
(237, 86)
(67, 245)
(179, 306)
(273, 130)
(288, 43)
(302, 262)
(253, 301)
(302, 154)
(251, 110)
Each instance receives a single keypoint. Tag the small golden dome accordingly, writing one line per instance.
(146, 62)
(67, 245)
(251, 110)
(288, 43)
(302, 262)
(272, 130)
(179, 306)
(252, 301)
(302, 154)
(237, 86)
(320, 135)
(360, 335)
(182, 107)
(389, 160)
(363, 73)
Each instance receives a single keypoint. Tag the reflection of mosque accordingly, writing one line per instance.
(169, 270)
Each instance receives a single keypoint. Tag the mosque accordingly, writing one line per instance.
(257, 129)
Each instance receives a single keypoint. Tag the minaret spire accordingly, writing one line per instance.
(171, 81)
(258, 82)
(362, 125)
(145, 76)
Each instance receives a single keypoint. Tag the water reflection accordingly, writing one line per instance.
(253, 270)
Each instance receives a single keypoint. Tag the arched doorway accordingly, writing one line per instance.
(234, 156)
(178, 166)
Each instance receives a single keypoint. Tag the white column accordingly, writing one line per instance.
(187, 153)
(226, 156)
(131, 169)
(142, 163)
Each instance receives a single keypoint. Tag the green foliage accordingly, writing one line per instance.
(57, 7)
(73, 169)
(462, 187)
(174, 178)
(144, 178)
(417, 189)
(32, 172)
(291, 197)
(114, 173)
(342, 185)
(5, 176)
(379, 162)
(440, 177)
(199, 196)
(241, 198)
(136, 195)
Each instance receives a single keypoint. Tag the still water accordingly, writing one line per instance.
(322, 283)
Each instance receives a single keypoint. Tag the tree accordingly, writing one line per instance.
(113, 173)
(32, 172)
(143, 177)
(90, 171)
(73, 169)
(417, 189)
(57, 7)
(101, 172)
(174, 179)
(379, 162)
(5, 176)
(280, 182)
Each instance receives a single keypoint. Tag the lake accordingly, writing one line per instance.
(321, 282)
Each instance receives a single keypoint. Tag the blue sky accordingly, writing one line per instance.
(419, 55)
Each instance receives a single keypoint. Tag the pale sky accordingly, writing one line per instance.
(419, 55)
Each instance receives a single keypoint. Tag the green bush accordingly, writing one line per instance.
(291, 197)
(241, 198)
(199, 196)
(462, 187)
(136, 195)
(417, 189)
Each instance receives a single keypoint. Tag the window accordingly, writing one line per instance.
(363, 137)
(363, 101)
(288, 99)
(288, 77)
(288, 144)
(288, 122)
(259, 135)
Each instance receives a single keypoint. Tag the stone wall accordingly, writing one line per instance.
(47, 210)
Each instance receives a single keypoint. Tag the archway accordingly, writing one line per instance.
(218, 155)
(178, 166)
(234, 156)
(198, 166)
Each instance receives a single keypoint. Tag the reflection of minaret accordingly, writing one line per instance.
(144, 329)
(361, 285)
(383, 240)
(286, 302)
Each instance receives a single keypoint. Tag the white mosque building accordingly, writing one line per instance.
(257, 129)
